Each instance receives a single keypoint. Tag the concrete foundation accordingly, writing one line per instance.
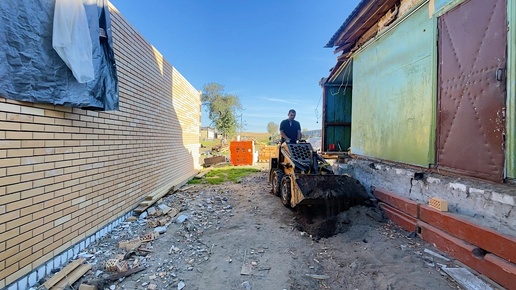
(488, 204)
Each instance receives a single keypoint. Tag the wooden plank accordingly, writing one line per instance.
(466, 279)
(140, 209)
(74, 276)
(204, 172)
(61, 274)
(159, 193)
(184, 188)
(162, 191)
(87, 287)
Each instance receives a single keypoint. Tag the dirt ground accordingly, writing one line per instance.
(240, 236)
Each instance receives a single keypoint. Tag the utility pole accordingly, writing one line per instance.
(240, 123)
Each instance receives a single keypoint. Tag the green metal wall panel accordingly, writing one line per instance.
(337, 116)
(338, 105)
(511, 91)
(393, 101)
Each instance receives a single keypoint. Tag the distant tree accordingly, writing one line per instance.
(272, 128)
(221, 108)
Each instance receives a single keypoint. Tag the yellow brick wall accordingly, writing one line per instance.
(65, 173)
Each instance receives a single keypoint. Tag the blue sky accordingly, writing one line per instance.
(270, 53)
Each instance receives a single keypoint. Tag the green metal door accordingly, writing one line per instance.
(337, 118)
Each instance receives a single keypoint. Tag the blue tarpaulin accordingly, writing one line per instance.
(32, 71)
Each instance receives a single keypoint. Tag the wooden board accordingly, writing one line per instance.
(204, 172)
(72, 277)
(150, 199)
(63, 273)
(87, 287)
(466, 279)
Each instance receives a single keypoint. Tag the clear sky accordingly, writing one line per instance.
(270, 52)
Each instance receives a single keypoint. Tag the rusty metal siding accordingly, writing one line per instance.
(471, 120)
(393, 104)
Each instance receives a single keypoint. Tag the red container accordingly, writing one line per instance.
(242, 152)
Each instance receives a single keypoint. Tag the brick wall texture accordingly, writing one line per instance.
(66, 172)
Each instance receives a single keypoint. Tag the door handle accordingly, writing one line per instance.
(500, 73)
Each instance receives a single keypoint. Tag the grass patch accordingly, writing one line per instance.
(224, 174)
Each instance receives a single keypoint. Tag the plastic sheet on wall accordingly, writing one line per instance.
(32, 71)
(71, 39)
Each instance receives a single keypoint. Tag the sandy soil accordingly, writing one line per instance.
(240, 236)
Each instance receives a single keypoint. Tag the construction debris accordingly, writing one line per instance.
(140, 258)
(68, 275)
(87, 287)
(465, 278)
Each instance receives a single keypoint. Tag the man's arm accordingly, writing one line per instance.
(298, 131)
(282, 132)
(284, 136)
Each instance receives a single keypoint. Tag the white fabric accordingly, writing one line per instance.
(71, 38)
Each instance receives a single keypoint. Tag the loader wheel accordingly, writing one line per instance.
(277, 175)
(286, 192)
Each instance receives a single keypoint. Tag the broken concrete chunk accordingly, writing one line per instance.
(164, 208)
(181, 218)
(160, 230)
(143, 215)
(151, 211)
(181, 285)
(246, 285)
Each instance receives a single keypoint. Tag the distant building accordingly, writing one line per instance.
(208, 133)
(312, 133)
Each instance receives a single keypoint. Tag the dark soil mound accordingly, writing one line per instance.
(315, 221)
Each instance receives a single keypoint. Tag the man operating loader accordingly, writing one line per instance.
(290, 129)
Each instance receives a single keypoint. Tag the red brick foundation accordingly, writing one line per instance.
(487, 239)
(483, 250)
(493, 267)
(405, 221)
(403, 204)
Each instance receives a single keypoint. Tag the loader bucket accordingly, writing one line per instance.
(338, 192)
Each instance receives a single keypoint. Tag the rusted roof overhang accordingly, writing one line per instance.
(363, 17)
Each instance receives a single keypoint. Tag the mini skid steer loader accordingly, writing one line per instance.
(300, 176)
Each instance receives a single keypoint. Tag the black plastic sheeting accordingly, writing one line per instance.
(32, 71)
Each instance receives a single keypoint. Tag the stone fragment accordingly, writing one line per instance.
(181, 285)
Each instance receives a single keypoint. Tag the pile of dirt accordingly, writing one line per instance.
(314, 220)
